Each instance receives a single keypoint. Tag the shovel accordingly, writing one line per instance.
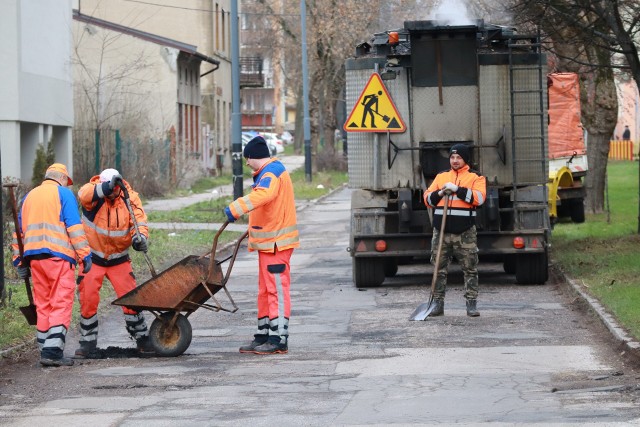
(135, 225)
(29, 312)
(424, 310)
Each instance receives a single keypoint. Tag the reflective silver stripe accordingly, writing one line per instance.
(112, 256)
(40, 338)
(238, 207)
(87, 333)
(248, 202)
(479, 197)
(269, 245)
(47, 238)
(140, 224)
(270, 234)
(468, 196)
(455, 212)
(76, 233)
(81, 245)
(46, 226)
(99, 230)
(280, 304)
(55, 342)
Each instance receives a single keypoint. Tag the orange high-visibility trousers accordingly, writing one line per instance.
(274, 301)
(53, 287)
(121, 278)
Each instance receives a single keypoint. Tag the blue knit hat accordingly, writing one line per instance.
(256, 149)
(461, 150)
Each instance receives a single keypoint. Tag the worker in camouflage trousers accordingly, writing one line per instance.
(111, 231)
(467, 190)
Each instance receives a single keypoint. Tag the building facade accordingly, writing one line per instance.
(35, 83)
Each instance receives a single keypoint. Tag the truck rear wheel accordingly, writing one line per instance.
(368, 272)
(390, 267)
(509, 264)
(577, 211)
(532, 269)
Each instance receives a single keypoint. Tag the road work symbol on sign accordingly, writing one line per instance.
(374, 111)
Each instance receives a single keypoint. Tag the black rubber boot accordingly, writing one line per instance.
(258, 340)
(438, 308)
(472, 311)
(85, 350)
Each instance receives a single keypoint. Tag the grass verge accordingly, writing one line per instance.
(603, 252)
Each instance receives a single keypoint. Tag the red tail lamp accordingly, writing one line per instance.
(518, 242)
(394, 38)
(381, 245)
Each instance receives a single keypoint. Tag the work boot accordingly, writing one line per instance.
(145, 348)
(251, 347)
(272, 347)
(472, 311)
(438, 308)
(85, 350)
(62, 361)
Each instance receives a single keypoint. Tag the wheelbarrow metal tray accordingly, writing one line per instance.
(182, 287)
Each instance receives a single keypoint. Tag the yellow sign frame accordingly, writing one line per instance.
(375, 105)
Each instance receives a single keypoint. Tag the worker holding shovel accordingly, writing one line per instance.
(467, 190)
(50, 242)
(111, 228)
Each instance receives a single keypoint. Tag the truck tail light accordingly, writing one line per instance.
(518, 242)
(381, 245)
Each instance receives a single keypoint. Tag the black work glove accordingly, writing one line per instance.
(86, 264)
(140, 243)
(24, 272)
(109, 186)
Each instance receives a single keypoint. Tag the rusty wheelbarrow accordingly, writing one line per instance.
(182, 288)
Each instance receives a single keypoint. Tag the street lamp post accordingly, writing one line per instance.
(305, 93)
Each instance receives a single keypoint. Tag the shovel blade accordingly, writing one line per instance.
(29, 313)
(422, 312)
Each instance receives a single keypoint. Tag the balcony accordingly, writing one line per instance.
(251, 74)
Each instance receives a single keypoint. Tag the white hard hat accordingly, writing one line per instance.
(107, 174)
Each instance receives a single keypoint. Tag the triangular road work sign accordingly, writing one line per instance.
(374, 111)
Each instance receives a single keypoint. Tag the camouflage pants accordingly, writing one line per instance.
(464, 247)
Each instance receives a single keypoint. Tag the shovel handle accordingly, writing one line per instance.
(14, 210)
(436, 266)
(127, 202)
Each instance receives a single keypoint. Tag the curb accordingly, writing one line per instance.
(626, 341)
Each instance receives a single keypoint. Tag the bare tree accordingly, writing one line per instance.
(591, 38)
(111, 92)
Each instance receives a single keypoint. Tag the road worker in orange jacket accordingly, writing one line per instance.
(110, 230)
(53, 240)
(273, 233)
(467, 190)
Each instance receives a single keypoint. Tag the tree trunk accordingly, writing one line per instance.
(597, 156)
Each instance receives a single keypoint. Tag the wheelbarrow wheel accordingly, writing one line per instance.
(170, 342)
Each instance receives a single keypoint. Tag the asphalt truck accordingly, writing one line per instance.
(413, 93)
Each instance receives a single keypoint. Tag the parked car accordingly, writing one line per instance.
(273, 138)
(249, 135)
(286, 137)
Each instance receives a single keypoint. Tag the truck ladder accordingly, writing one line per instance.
(528, 127)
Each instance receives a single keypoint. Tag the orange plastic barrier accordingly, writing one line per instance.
(621, 150)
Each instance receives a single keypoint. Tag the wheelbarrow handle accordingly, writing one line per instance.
(14, 211)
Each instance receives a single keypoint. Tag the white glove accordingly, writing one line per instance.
(450, 188)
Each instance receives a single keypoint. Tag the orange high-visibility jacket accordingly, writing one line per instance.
(472, 191)
(272, 222)
(50, 225)
(108, 224)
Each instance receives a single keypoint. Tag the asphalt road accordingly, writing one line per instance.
(536, 355)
